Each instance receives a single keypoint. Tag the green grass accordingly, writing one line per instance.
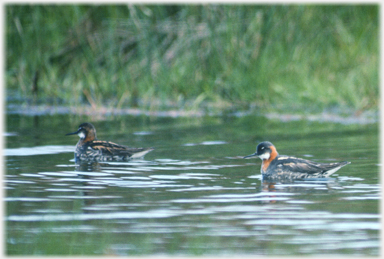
(272, 57)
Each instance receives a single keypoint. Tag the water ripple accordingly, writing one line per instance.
(112, 215)
(39, 150)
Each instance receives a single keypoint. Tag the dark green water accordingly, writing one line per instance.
(192, 195)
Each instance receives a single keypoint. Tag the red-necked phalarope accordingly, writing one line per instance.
(275, 165)
(90, 149)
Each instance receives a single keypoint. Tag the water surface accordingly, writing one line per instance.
(192, 195)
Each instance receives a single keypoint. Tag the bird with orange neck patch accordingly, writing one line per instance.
(275, 165)
(90, 149)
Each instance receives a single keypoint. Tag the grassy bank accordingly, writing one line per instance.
(274, 57)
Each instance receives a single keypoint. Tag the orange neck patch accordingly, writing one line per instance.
(91, 136)
(266, 162)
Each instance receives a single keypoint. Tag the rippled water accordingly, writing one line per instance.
(192, 195)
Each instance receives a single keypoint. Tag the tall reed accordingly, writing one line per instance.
(276, 57)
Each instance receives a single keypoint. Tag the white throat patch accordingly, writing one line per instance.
(265, 156)
(81, 135)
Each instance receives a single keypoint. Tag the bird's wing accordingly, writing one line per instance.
(286, 163)
(110, 148)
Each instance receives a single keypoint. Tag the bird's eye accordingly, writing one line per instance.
(262, 147)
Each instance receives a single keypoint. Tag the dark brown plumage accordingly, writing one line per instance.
(90, 149)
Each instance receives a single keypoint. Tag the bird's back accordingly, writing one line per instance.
(116, 151)
(302, 168)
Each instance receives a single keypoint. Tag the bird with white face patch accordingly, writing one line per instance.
(88, 148)
(275, 165)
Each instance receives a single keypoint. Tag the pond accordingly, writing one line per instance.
(194, 194)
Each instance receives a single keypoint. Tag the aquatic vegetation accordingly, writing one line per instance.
(273, 57)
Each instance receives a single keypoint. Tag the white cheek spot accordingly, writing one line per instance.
(265, 156)
(81, 134)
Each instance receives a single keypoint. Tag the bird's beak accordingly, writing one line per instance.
(73, 133)
(254, 154)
